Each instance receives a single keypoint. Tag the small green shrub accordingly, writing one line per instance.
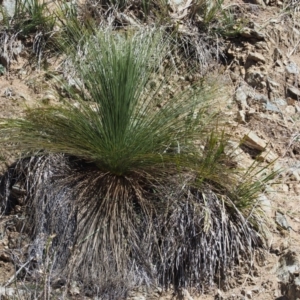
(136, 194)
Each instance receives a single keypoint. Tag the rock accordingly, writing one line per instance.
(262, 46)
(290, 110)
(284, 245)
(277, 54)
(271, 107)
(280, 102)
(260, 97)
(74, 289)
(176, 2)
(267, 156)
(291, 101)
(292, 68)
(288, 274)
(273, 85)
(254, 142)
(233, 149)
(284, 188)
(293, 92)
(259, 2)
(75, 84)
(11, 293)
(219, 295)
(255, 78)
(252, 33)
(139, 297)
(17, 47)
(241, 117)
(278, 63)
(294, 175)
(22, 74)
(289, 263)
(234, 76)
(293, 288)
(9, 7)
(241, 98)
(281, 220)
(184, 295)
(265, 205)
(251, 112)
(48, 97)
(256, 57)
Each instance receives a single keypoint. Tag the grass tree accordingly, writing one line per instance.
(133, 189)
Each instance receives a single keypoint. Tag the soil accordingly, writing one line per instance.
(24, 86)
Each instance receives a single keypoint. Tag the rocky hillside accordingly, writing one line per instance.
(260, 74)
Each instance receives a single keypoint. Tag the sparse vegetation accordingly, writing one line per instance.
(31, 20)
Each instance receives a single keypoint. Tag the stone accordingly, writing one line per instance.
(176, 2)
(290, 101)
(184, 295)
(265, 205)
(283, 188)
(251, 111)
(280, 102)
(219, 295)
(252, 33)
(290, 110)
(48, 97)
(279, 64)
(255, 78)
(241, 98)
(271, 107)
(292, 68)
(267, 156)
(233, 149)
(74, 289)
(9, 7)
(259, 2)
(234, 76)
(288, 264)
(288, 274)
(139, 297)
(272, 84)
(281, 220)
(293, 92)
(284, 245)
(260, 97)
(262, 45)
(293, 289)
(241, 117)
(294, 175)
(11, 293)
(277, 54)
(254, 142)
(255, 56)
